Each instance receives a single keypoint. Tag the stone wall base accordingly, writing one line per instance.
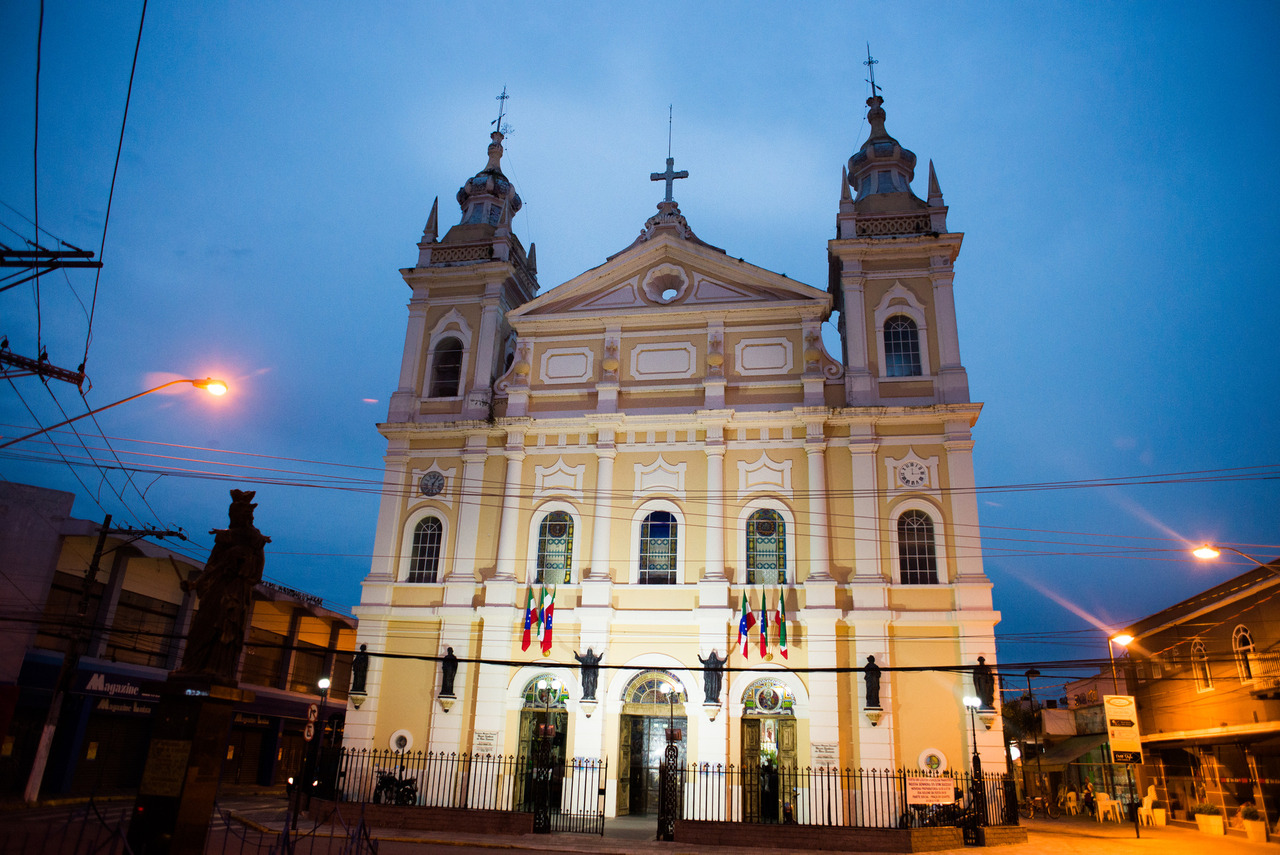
(699, 833)
(1002, 835)
(426, 818)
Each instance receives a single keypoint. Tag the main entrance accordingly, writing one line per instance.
(653, 702)
(769, 785)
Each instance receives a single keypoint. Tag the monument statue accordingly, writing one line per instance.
(871, 672)
(984, 683)
(449, 670)
(712, 676)
(225, 588)
(360, 669)
(590, 662)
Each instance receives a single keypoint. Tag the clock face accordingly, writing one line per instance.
(912, 474)
(432, 484)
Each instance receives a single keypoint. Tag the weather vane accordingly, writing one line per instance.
(871, 67)
(500, 126)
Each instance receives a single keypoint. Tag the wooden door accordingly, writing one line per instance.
(750, 770)
(623, 805)
(787, 764)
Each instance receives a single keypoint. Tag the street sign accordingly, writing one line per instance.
(313, 712)
(309, 732)
(1122, 728)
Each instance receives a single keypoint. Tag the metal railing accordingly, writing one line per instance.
(853, 798)
(475, 781)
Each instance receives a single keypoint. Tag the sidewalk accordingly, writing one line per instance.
(635, 836)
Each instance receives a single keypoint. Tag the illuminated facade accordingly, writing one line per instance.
(658, 437)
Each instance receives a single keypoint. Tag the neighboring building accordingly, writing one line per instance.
(1206, 676)
(657, 439)
(132, 630)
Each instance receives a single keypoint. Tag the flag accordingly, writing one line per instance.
(528, 620)
(764, 622)
(781, 618)
(547, 620)
(542, 613)
(747, 621)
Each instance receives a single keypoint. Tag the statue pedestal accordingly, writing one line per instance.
(184, 760)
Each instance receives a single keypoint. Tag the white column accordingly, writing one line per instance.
(819, 549)
(952, 378)
(966, 543)
(359, 729)
(407, 390)
(875, 742)
(602, 525)
(470, 499)
(866, 505)
(506, 569)
(716, 526)
(385, 552)
(486, 343)
(856, 353)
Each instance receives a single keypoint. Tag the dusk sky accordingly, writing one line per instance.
(1112, 165)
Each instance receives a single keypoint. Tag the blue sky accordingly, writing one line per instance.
(1112, 166)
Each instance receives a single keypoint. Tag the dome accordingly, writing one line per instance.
(488, 197)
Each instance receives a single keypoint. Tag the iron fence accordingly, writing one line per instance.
(865, 798)
(475, 781)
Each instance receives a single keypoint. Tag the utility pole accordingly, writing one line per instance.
(71, 658)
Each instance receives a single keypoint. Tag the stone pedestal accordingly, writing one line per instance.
(184, 761)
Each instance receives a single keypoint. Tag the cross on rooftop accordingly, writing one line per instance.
(871, 67)
(669, 176)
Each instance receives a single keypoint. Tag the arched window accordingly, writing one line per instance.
(766, 548)
(555, 547)
(1200, 667)
(658, 539)
(446, 369)
(1242, 644)
(901, 347)
(917, 555)
(424, 560)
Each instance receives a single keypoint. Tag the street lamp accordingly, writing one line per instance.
(1031, 699)
(548, 687)
(973, 703)
(213, 387)
(1208, 552)
(1123, 639)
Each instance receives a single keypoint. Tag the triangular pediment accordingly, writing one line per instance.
(670, 275)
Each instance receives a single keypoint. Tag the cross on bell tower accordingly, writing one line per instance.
(669, 176)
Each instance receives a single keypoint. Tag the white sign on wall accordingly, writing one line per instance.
(485, 742)
(931, 791)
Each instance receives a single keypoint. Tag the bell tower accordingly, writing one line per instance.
(891, 271)
(463, 285)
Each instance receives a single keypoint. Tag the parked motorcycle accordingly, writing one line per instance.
(394, 790)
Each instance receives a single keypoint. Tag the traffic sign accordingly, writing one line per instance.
(309, 732)
(313, 713)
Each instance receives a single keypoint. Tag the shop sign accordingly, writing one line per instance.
(111, 705)
(113, 686)
(1122, 728)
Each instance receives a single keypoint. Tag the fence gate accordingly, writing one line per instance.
(579, 807)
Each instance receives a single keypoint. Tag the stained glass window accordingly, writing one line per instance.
(555, 547)
(658, 549)
(766, 548)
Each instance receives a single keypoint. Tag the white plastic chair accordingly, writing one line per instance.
(1145, 816)
(1073, 807)
(1108, 808)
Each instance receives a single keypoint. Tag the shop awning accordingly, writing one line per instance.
(1069, 750)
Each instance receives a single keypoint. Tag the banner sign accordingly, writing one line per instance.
(1122, 728)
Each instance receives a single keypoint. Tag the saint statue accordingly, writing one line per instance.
(449, 670)
(712, 675)
(871, 672)
(984, 684)
(360, 669)
(590, 662)
(225, 588)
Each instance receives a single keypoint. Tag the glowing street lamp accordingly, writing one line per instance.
(1209, 551)
(210, 385)
(1123, 639)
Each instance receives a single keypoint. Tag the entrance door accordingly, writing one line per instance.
(751, 769)
(643, 746)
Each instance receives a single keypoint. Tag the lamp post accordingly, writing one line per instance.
(667, 779)
(213, 387)
(542, 761)
(1209, 551)
(1123, 639)
(1031, 699)
(973, 704)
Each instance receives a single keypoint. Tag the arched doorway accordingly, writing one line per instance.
(651, 702)
(544, 715)
(768, 761)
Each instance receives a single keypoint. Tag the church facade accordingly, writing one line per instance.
(664, 449)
